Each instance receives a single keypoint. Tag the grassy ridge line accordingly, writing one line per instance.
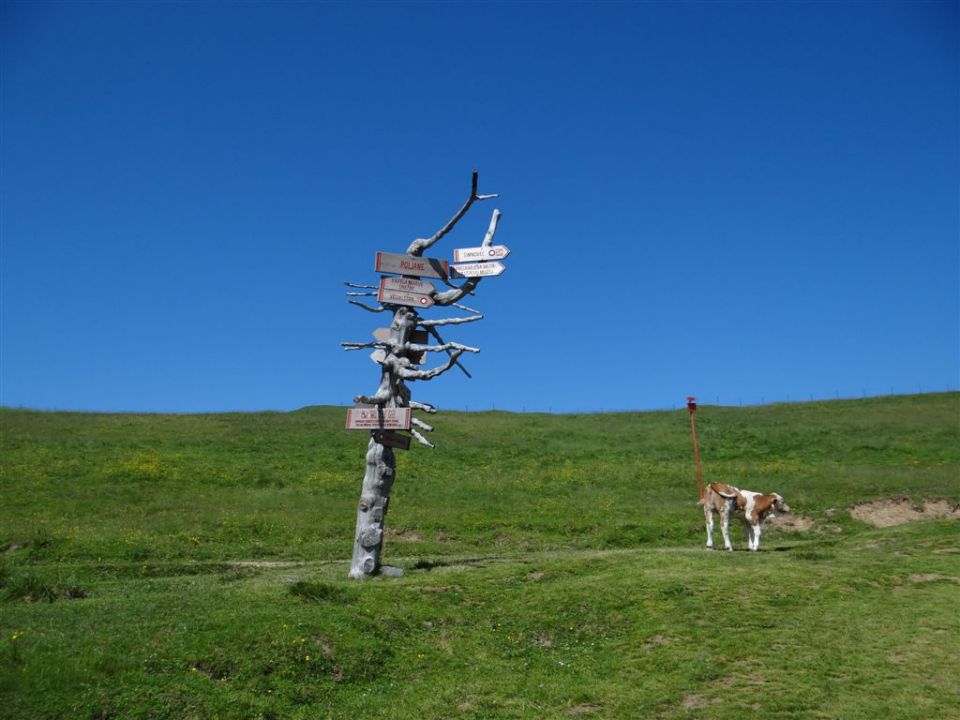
(284, 485)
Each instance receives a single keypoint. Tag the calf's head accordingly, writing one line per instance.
(779, 507)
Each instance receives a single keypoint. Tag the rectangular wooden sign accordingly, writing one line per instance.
(410, 265)
(421, 287)
(477, 269)
(398, 297)
(491, 252)
(374, 418)
(392, 439)
(420, 337)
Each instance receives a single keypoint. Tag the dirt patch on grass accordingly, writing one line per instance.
(262, 564)
(655, 641)
(897, 511)
(932, 577)
(791, 522)
(694, 702)
(583, 709)
(402, 535)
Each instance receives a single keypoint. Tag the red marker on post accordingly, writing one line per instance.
(692, 409)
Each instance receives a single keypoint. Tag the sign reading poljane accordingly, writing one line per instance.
(410, 265)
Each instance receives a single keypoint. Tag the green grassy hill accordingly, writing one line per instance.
(194, 566)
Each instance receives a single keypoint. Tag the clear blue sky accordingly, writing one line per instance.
(743, 201)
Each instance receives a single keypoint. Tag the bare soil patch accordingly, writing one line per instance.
(583, 709)
(694, 702)
(402, 535)
(932, 577)
(791, 522)
(897, 511)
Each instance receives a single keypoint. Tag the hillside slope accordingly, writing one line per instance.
(158, 566)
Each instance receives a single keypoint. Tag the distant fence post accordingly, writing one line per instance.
(692, 409)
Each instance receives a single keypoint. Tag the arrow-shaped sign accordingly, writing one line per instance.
(410, 265)
(399, 297)
(392, 439)
(491, 252)
(410, 285)
(477, 269)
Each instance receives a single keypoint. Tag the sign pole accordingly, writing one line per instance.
(399, 351)
(692, 409)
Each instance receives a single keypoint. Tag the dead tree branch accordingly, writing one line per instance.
(367, 307)
(449, 297)
(421, 439)
(409, 374)
(426, 407)
(418, 246)
(433, 332)
(449, 321)
(361, 346)
(446, 347)
(421, 424)
(378, 399)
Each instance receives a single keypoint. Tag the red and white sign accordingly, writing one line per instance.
(410, 265)
(398, 297)
(410, 285)
(491, 252)
(375, 418)
(477, 269)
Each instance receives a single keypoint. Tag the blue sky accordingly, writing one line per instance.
(743, 201)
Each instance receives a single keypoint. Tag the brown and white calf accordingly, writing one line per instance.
(753, 507)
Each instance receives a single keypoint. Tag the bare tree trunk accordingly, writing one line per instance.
(381, 461)
(374, 498)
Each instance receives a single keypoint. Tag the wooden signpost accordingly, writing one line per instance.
(410, 285)
(477, 269)
(399, 297)
(410, 265)
(378, 418)
(494, 252)
(398, 351)
(392, 439)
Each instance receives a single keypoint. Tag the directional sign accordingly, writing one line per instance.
(417, 337)
(491, 252)
(378, 356)
(398, 297)
(392, 439)
(420, 337)
(410, 285)
(410, 265)
(374, 418)
(477, 269)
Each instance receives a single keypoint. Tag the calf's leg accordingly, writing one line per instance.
(725, 527)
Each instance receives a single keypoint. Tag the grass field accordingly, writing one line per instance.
(194, 566)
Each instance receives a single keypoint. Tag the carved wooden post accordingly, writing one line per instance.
(399, 351)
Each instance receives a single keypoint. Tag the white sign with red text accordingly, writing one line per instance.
(477, 269)
(491, 252)
(377, 418)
